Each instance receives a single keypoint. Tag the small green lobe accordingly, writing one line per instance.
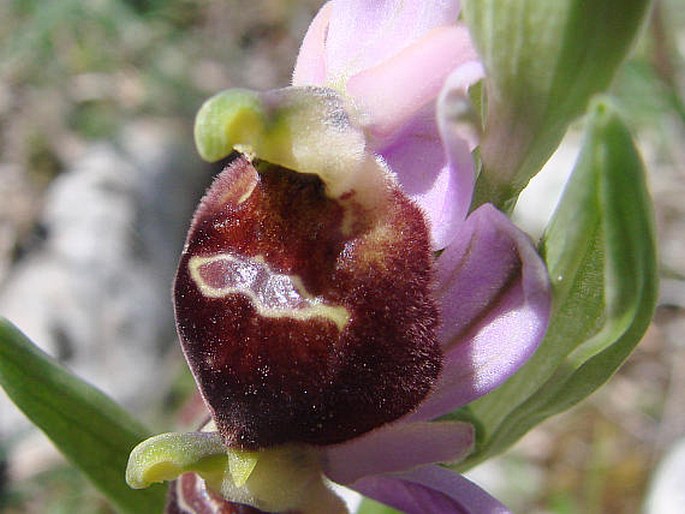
(232, 117)
(166, 456)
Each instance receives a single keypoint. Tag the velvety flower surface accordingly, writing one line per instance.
(326, 338)
(392, 59)
(290, 312)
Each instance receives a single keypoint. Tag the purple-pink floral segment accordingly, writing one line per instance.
(404, 66)
(392, 59)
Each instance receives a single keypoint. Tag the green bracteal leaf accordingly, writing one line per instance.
(600, 251)
(87, 426)
(544, 61)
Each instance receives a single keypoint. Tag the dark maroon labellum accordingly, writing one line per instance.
(304, 318)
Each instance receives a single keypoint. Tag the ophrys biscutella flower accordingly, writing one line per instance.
(288, 301)
(325, 336)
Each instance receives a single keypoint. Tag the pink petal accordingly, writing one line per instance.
(430, 490)
(310, 67)
(397, 447)
(441, 187)
(459, 138)
(495, 298)
(434, 165)
(363, 33)
(391, 93)
(418, 159)
(446, 203)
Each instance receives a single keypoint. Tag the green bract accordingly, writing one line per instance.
(600, 251)
(544, 60)
(86, 425)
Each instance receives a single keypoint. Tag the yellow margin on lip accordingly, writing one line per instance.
(315, 308)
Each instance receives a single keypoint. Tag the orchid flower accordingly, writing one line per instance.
(327, 339)
(391, 60)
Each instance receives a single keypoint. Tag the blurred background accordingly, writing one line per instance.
(99, 177)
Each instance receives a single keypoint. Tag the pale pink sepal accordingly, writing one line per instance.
(430, 490)
(419, 160)
(433, 160)
(396, 447)
(460, 136)
(391, 93)
(363, 33)
(494, 295)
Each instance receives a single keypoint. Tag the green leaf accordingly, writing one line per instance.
(88, 427)
(544, 61)
(600, 251)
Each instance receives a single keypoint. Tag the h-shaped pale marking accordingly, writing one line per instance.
(274, 295)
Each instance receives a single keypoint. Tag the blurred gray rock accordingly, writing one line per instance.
(96, 293)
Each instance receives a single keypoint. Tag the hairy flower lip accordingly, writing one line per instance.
(472, 365)
(259, 284)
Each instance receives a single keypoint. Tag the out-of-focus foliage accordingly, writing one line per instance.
(73, 70)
